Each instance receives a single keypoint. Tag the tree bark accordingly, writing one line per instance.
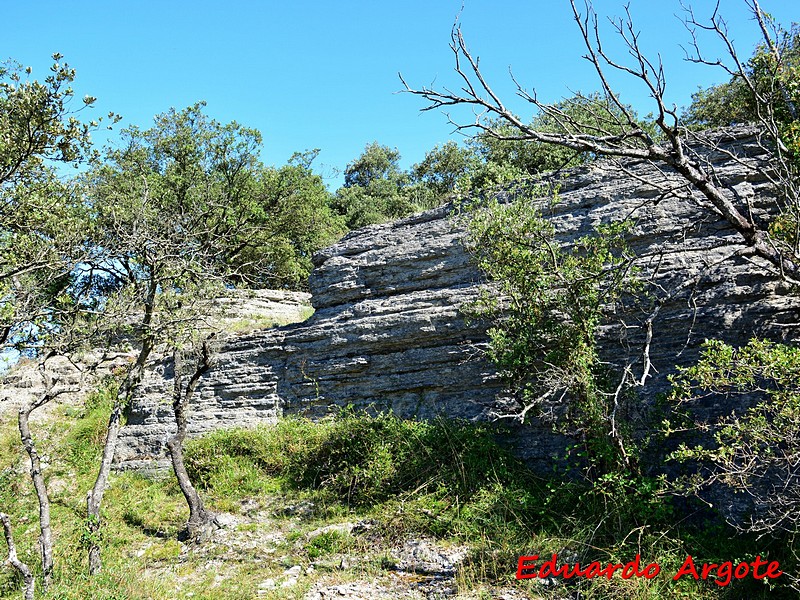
(46, 536)
(14, 561)
(37, 477)
(94, 498)
(201, 520)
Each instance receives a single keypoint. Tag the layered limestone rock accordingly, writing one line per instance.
(73, 377)
(240, 311)
(388, 331)
(79, 374)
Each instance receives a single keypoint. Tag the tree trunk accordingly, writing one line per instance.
(46, 537)
(94, 498)
(37, 477)
(201, 521)
(24, 570)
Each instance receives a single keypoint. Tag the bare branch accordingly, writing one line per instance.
(634, 141)
(14, 561)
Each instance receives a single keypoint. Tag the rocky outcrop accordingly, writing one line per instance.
(388, 331)
(240, 311)
(78, 374)
(72, 380)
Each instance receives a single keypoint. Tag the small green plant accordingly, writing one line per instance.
(544, 302)
(89, 534)
(84, 440)
(328, 542)
(754, 449)
(168, 551)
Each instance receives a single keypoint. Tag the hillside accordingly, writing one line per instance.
(316, 502)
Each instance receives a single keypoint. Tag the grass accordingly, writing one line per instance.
(294, 485)
(453, 482)
(256, 322)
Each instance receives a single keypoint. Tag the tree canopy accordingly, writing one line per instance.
(374, 188)
(193, 191)
(42, 217)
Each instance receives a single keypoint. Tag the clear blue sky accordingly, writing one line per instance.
(323, 74)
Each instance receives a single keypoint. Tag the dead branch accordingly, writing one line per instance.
(634, 141)
(14, 561)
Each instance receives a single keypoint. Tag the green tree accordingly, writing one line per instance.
(181, 211)
(544, 302)
(42, 242)
(767, 83)
(165, 216)
(41, 216)
(376, 163)
(506, 158)
(292, 207)
(446, 169)
(374, 188)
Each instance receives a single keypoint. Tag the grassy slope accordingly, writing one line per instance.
(445, 481)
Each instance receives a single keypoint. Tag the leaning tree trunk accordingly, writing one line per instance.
(46, 536)
(94, 498)
(24, 570)
(37, 477)
(201, 520)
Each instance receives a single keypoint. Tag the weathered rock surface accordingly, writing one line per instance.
(79, 374)
(73, 378)
(388, 331)
(246, 310)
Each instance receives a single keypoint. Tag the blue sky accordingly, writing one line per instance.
(315, 74)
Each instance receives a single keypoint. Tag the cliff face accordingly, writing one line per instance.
(388, 331)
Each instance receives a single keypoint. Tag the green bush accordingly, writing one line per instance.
(83, 444)
(442, 477)
(363, 459)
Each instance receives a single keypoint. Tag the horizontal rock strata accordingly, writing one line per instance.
(388, 331)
